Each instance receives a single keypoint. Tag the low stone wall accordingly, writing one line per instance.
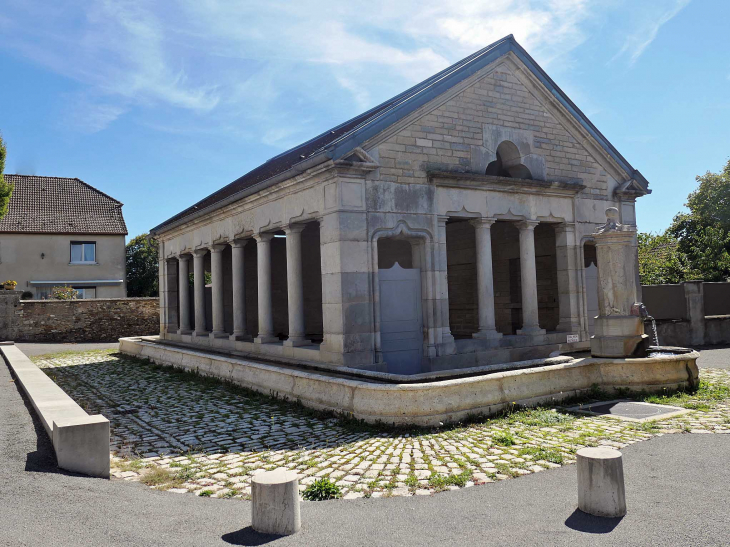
(428, 404)
(92, 320)
(679, 333)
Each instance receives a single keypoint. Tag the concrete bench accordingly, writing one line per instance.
(275, 499)
(601, 489)
(81, 442)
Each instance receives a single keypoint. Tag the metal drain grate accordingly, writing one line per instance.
(629, 410)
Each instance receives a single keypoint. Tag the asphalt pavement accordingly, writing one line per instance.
(714, 357)
(677, 491)
(43, 348)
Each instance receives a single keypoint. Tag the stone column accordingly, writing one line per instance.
(568, 272)
(528, 272)
(619, 330)
(448, 346)
(183, 288)
(294, 285)
(695, 297)
(199, 290)
(239, 290)
(485, 281)
(263, 263)
(216, 266)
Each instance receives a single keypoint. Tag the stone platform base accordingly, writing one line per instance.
(428, 403)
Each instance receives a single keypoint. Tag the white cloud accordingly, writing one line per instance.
(646, 32)
(274, 71)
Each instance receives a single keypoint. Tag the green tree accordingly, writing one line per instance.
(703, 234)
(660, 260)
(6, 189)
(142, 266)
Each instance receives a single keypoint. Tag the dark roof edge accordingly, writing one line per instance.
(445, 80)
(51, 232)
(294, 170)
(359, 135)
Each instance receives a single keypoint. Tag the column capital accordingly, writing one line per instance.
(218, 248)
(485, 222)
(198, 253)
(183, 257)
(528, 224)
(263, 237)
(236, 243)
(442, 219)
(293, 228)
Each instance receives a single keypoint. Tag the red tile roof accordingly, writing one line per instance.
(57, 205)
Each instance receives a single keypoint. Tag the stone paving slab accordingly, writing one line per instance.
(186, 434)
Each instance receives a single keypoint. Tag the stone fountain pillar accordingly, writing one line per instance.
(618, 332)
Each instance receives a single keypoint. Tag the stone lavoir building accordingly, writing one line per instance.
(448, 227)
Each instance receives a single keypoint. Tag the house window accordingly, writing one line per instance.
(85, 292)
(83, 252)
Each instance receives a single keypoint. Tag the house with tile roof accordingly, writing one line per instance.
(62, 232)
(445, 228)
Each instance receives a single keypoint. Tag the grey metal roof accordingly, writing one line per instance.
(58, 205)
(342, 139)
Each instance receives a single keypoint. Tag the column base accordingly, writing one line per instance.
(265, 339)
(531, 331)
(201, 334)
(184, 331)
(241, 337)
(296, 342)
(219, 334)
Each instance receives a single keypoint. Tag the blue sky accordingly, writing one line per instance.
(161, 103)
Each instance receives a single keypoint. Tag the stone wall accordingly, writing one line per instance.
(452, 137)
(689, 314)
(93, 320)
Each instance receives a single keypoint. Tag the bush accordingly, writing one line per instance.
(27, 295)
(322, 489)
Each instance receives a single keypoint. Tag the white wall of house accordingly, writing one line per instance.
(29, 258)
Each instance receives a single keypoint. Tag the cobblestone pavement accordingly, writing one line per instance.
(182, 433)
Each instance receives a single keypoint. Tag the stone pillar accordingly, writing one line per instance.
(695, 297)
(618, 330)
(294, 285)
(485, 280)
(347, 297)
(216, 266)
(263, 263)
(183, 288)
(169, 315)
(528, 272)
(199, 290)
(448, 346)
(239, 290)
(568, 271)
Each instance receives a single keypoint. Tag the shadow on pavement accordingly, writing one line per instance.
(249, 536)
(583, 522)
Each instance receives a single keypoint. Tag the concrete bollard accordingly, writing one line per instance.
(601, 490)
(275, 497)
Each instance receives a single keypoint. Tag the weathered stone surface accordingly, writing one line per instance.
(275, 496)
(601, 489)
(93, 320)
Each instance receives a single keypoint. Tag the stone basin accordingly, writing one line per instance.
(431, 401)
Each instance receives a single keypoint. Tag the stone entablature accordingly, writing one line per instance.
(409, 185)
